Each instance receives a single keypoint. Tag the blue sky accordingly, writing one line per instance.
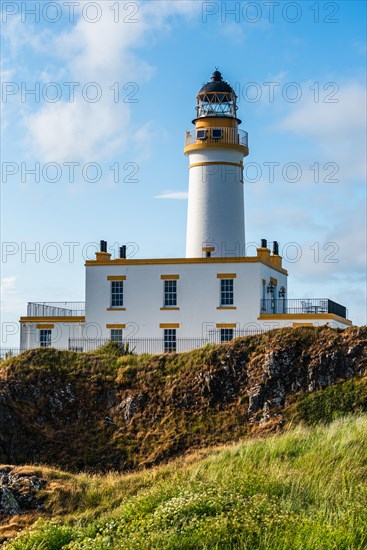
(300, 76)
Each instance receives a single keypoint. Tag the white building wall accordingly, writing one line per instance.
(198, 297)
(61, 332)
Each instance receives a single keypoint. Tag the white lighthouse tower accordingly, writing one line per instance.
(216, 148)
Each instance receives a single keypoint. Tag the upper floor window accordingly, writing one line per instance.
(170, 293)
(226, 292)
(45, 338)
(117, 293)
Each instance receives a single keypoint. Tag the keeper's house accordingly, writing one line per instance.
(213, 294)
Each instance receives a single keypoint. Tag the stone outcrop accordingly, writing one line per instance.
(95, 412)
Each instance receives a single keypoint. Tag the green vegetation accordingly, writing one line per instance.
(333, 402)
(303, 489)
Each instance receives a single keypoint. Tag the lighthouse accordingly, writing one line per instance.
(216, 148)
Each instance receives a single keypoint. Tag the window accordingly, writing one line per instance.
(117, 293)
(217, 133)
(45, 338)
(116, 335)
(169, 340)
(170, 293)
(226, 292)
(226, 334)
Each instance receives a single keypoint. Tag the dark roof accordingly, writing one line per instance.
(217, 84)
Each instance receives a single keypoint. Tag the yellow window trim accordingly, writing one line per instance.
(226, 275)
(208, 248)
(45, 326)
(115, 325)
(226, 325)
(116, 278)
(274, 281)
(170, 308)
(170, 277)
(116, 309)
(226, 307)
(169, 325)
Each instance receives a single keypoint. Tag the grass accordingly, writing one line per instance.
(303, 489)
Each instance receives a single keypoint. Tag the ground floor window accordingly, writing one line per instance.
(169, 340)
(116, 335)
(226, 334)
(45, 338)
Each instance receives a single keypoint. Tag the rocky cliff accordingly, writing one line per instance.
(98, 411)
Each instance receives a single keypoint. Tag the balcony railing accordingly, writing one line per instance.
(55, 309)
(303, 305)
(229, 135)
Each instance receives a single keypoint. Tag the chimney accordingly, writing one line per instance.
(276, 248)
(103, 246)
(264, 243)
(102, 255)
(123, 252)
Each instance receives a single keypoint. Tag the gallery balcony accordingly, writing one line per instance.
(231, 136)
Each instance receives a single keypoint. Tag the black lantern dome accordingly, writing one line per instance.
(216, 98)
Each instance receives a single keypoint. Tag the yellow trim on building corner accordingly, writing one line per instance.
(116, 277)
(115, 325)
(116, 309)
(226, 275)
(226, 325)
(54, 319)
(170, 277)
(45, 326)
(169, 325)
(290, 316)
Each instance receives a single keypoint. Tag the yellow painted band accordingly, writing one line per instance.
(169, 325)
(115, 325)
(226, 325)
(170, 277)
(45, 326)
(226, 307)
(116, 309)
(198, 146)
(54, 319)
(116, 278)
(226, 275)
(302, 324)
(208, 248)
(172, 261)
(169, 308)
(237, 164)
(216, 122)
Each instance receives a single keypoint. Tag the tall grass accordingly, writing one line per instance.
(305, 489)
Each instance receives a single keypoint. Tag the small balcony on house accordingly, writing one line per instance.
(55, 309)
(311, 306)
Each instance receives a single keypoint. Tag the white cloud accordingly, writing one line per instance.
(11, 301)
(173, 195)
(102, 52)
